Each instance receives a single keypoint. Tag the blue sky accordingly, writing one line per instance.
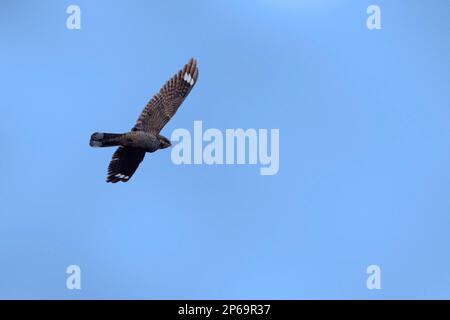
(364, 150)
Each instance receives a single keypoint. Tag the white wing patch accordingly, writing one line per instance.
(187, 77)
(122, 176)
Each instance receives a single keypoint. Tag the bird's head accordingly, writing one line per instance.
(163, 142)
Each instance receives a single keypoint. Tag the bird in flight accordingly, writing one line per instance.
(144, 136)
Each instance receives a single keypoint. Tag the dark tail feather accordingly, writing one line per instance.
(101, 139)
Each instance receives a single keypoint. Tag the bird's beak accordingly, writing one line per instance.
(165, 144)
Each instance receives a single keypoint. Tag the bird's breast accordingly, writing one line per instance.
(143, 140)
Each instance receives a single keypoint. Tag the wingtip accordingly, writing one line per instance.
(115, 179)
(192, 61)
(191, 68)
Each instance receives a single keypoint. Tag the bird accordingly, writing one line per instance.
(145, 136)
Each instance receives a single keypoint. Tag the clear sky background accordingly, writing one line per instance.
(364, 150)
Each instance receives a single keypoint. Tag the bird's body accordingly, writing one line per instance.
(148, 142)
(141, 139)
(145, 137)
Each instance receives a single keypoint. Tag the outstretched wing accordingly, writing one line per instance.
(124, 163)
(161, 108)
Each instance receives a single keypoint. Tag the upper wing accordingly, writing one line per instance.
(124, 163)
(161, 108)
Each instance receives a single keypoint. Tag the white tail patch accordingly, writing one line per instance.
(98, 135)
(95, 144)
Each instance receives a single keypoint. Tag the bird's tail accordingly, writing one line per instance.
(101, 139)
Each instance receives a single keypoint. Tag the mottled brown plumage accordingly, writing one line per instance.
(161, 108)
(144, 136)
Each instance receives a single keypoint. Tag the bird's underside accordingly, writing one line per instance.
(144, 136)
